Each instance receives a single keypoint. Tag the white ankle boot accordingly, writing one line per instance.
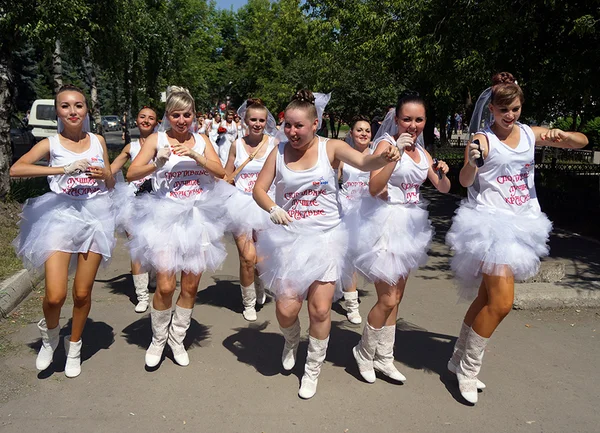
(179, 326)
(351, 303)
(314, 360)
(73, 350)
(249, 302)
(384, 356)
(140, 282)
(469, 366)
(292, 339)
(364, 352)
(459, 351)
(160, 328)
(50, 340)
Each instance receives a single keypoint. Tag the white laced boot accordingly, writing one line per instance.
(179, 326)
(351, 303)
(469, 366)
(140, 282)
(261, 295)
(459, 351)
(73, 349)
(364, 352)
(384, 356)
(314, 360)
(292, 339)
(50, 340)
(160, 328)
(249, 302)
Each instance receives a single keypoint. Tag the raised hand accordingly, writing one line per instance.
(76, 167)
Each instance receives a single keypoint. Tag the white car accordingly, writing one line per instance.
(42, 118)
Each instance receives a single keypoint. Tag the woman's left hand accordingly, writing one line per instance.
(96, 172)
(555, 135)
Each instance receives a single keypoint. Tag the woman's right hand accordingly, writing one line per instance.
(76, 167)
(162, 156)
(474, 154)
(279, 216)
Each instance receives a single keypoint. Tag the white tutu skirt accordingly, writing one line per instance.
(390, 240)
(290, 260)
(55, 222)
(179, 235)
(245, 215)
(123, 196)
(486, 241)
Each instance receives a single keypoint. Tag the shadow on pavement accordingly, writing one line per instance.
(139, 333)
(96, 336)
(225, 293)
(121, 285)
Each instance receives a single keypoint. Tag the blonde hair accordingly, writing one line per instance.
(179, 98)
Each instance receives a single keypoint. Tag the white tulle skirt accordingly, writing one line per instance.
(290, 260)
(123, 196)
(390, 240)
(246, 216)
(54, 222)
(180, 235)
(487, 241)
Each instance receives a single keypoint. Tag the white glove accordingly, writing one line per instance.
(405, 140)
(279, 216)
(76, 167)
(474, 154)
(162, 156)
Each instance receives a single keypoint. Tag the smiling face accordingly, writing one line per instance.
(146, 121)
(505, 116)
(300, 127)
(71, 108)
(256, 119)
(181, 120)
(411, 119)
(361, 134)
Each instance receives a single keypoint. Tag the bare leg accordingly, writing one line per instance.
(87, 267)
(57, 275)
(388, 298)
(500, 293)
(320, 297)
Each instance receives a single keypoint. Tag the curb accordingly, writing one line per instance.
(16, 288)
(531, 296)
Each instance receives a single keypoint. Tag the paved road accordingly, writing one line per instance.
(540, 368)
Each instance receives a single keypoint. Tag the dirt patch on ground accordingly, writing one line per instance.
(9, 217)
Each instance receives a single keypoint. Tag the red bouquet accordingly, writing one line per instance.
(221, 130)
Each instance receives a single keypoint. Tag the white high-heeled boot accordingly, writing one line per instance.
(261, 295)
(73, 350)
(292, 339)
(384, 356)
(351, 304)
(140, 282)
(364, 352)
(317, 349)
(249, 302)
(459, 351)
(469, 366)
(160, 329)
(180, 323)
(50, 340)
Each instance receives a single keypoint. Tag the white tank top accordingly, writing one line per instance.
(246, 178)
(506, 180)
(355, 183)
(404, 185)
(309, 196)
(231, 128)
(181, 178)
(134, 150)
(80, 186)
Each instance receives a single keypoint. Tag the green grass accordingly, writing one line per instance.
(9, 216)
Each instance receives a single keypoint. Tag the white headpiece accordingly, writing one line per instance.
(270, 127)
(481, 112)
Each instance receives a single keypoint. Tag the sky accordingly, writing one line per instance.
(226, 4)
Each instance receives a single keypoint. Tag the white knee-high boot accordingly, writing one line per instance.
(315, 357)
(50, 340)
(292, 339)
(180, 323)
(73, 350)
(249, 302)
(261, 295)
(140, 282)
(384, 356)
(364, 352)
(459, 351)
(469, 366)
(351, 303)
(160, 330)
